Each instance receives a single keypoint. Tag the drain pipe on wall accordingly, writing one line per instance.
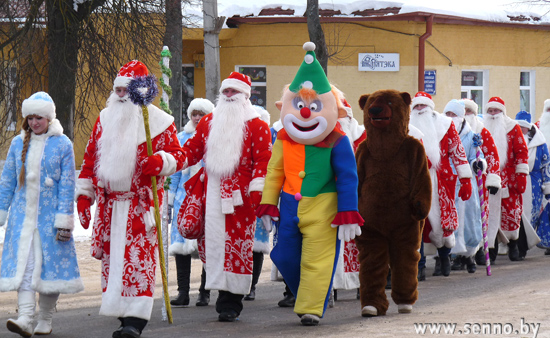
(422, 51)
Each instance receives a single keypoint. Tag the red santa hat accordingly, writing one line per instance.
(238, 82)
(496, 102)
(200, 104)
(471, 104)
(423, 98)
(128, 72)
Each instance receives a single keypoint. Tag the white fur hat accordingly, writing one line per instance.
(546, 105)
(201, 104)
(39, 103)
(471, 104)
(423, 98)
(456, 107)
(264, 114)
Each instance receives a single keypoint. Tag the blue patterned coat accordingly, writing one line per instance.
(45, 202)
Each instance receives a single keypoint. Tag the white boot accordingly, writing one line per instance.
(46, 304)
(23, 324)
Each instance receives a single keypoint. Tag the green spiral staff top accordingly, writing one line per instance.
(166, 74)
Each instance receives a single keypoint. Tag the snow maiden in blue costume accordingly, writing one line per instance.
(182, 248)
(37, 188)
(308, 155)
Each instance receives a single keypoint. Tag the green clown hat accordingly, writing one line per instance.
(311, 74)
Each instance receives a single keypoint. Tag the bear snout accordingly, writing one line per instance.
(375, 110)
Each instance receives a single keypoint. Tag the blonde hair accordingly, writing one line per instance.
(26, 142)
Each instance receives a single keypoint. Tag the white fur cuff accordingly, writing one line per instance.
(84, 186)
(464, 171)
(511, 235)
(436, 239)
(522, 168)
(3, 217)
(483, 166)
(64, 221)
(169, 164)
(493, 180)
(449, 241)
(257, 184)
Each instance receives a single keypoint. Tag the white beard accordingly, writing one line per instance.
(424, 120)
(545, 125)
(496, 126)
(458, 123)
(473, 122)
(225, 140)
(117, 146)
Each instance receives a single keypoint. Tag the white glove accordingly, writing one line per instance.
(266, 221)
(347, 232)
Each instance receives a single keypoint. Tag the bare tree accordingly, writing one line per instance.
(316, 34)
(79, 52)
(173, 39)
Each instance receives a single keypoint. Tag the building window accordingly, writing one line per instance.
(8, 97)
(474, 86)
(527, 91)
(258, 76)
(187, 90)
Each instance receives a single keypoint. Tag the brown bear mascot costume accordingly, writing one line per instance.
(394, 199)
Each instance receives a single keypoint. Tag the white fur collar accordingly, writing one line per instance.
(509, 123)
(54, 129)
(537, 140)
(442, 124)
(278, 125)
(189, 127)
(466, 129)
(159, 121)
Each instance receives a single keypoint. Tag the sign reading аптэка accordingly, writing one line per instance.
(379, 62)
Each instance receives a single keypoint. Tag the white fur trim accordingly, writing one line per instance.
(84, 186)
(149, 219)
(464, 171)
(422, 100)
(264, 114)
(3, 217)
(237, 85)
(237, 198)
(257, 184)
(121, 81)
(511, 235)
(169, 163)
(522, 168)
(496, 105)
(63, 221)
(525, 124)
(139, 307)
(263, 247)
(449, 241)
(415, 132)
(278, 125)
(171, 198)
(66, 287)
(38, 107)
(227, 206)
(189, 127)
(159, 121)
(493, 180)
(201, 104)
(183, 248)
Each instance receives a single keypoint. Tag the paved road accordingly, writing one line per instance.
(516, 290)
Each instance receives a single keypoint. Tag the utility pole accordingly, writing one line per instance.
(212, 27)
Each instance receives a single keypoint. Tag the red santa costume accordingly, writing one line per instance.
(513, 155)
(443, 145)
(236, 146)
(124, 237)
(491, 176)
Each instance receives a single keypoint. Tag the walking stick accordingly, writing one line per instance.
(477, 144)
(136, 87)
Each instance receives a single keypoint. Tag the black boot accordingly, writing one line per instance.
(183, 271)
(445, 265)
(513, 251)
(421, 274)
(480, 257)
(204, 295)
(289, 299)
(493, 253)
(471, 264)
(547, 252)
(458, 263)
(388, 280)
(437, 269)
(258, 261)
(335, 292)
(132, 327)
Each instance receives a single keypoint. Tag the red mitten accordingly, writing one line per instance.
(255, 199)
(465, 189)
(151, 165)
(521, 183)
(83, 206)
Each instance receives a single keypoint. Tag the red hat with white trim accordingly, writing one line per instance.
(496, 102)
(128, 72)
(238, 82)
(422, 98)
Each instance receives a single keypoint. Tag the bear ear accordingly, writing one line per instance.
(406, 97)
(363, 99)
